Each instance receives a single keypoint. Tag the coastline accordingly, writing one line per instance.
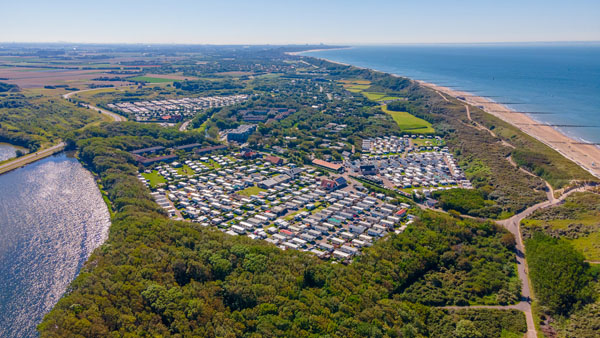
(317, 50)
(585, 155)
(18, 162)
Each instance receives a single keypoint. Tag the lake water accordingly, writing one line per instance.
(7, 151)
(561, 79)
(52, 216)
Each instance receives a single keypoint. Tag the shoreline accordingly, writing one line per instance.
(18, 162)
(317, 50)
(585, 155)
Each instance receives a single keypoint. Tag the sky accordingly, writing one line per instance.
(298, 22)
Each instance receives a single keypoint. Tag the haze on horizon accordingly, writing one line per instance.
(298, 22)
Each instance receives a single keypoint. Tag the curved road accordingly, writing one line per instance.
(114, 116)
(513, 225)
(32, 157)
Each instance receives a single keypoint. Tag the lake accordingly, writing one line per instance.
(7, 151)
(52, 216)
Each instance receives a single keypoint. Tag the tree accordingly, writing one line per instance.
(466, 329)
(559, 274)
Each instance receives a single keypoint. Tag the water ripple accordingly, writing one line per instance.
(52, 217)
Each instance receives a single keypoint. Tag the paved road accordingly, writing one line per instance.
(23, 160)
(184, 125)
(521, 306)
(513, 225)
(115, 117)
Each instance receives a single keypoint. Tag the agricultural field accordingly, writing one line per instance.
(40, 77)
(409, 123)
(149, 79)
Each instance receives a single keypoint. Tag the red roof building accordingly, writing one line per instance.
(329, 166)
(274, 159)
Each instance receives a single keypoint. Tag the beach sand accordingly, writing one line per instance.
(586, 156)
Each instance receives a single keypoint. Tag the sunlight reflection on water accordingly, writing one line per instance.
(52, 217)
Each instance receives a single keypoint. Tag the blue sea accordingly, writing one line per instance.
(562, 79)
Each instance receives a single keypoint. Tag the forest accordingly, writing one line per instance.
(33, 121)
(156, 276)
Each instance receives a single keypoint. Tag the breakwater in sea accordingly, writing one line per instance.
(559, 83)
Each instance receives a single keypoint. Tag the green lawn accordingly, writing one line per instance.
(374, 96)
(213, 164)
(185, 170)
(409, 123)
(428, 142)
(155, 178)
(151, 79)
(254, 190)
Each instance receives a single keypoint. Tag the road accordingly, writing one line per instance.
(184, 125)
(114, 116)
(23, 160)
(513, 225)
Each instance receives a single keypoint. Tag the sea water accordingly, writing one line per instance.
(561, 80)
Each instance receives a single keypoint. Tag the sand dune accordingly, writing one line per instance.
(585, 155)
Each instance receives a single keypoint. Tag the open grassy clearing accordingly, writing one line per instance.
(355, 86)
(374, 96)
(155, 178)
(354, 81)
(409, 123)
(250, 191)
(428, 142)
(185, 170)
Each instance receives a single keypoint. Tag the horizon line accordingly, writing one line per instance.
(299, 44)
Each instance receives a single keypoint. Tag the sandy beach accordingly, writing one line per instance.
(315, 50)
(586, 156)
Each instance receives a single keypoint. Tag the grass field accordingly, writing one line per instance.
(212, 163)
(155, 178)
(151, 79)
(409, 123)
(355, 86)
(428, 142)
(185, 170)
(374, 96)
(254, 190)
